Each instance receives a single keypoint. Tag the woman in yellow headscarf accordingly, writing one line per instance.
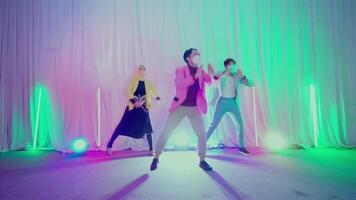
(136, 121)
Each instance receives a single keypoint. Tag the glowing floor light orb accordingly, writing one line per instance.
(181, 139)
(274, 141)
(79, 145)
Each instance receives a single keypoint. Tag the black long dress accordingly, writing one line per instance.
(135, 123)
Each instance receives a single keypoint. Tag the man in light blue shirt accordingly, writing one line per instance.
(229, 87)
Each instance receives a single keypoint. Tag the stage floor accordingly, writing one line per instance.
(324, 174)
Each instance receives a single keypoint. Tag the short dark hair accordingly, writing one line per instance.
(227, 61)
(187, 53)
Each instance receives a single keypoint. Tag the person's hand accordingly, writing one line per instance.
(138, 104)
(239, 74)
(199, 73)
(210, 69)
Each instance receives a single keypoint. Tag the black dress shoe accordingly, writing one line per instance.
(154, 164)
(205, 166)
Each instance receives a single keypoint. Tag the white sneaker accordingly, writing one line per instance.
(109, 151)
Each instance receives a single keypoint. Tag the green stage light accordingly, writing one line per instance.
(79, 145)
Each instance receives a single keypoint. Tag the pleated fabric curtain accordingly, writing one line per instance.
(55, 56)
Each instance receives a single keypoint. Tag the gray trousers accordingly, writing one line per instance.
(174, 119)
(223, 106)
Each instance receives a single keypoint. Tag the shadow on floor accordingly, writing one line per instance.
(236, 160)
(127, 189)
(69, 161)
(229, 191)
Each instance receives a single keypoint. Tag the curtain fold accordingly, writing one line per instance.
(54, 55)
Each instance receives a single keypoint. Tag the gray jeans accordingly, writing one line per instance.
(223, 106)
(174, 119)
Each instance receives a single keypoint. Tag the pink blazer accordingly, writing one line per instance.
(183, 80)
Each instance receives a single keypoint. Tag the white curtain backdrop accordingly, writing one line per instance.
(65, 50)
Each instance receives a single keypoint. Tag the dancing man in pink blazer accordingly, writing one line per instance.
(190, 102)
